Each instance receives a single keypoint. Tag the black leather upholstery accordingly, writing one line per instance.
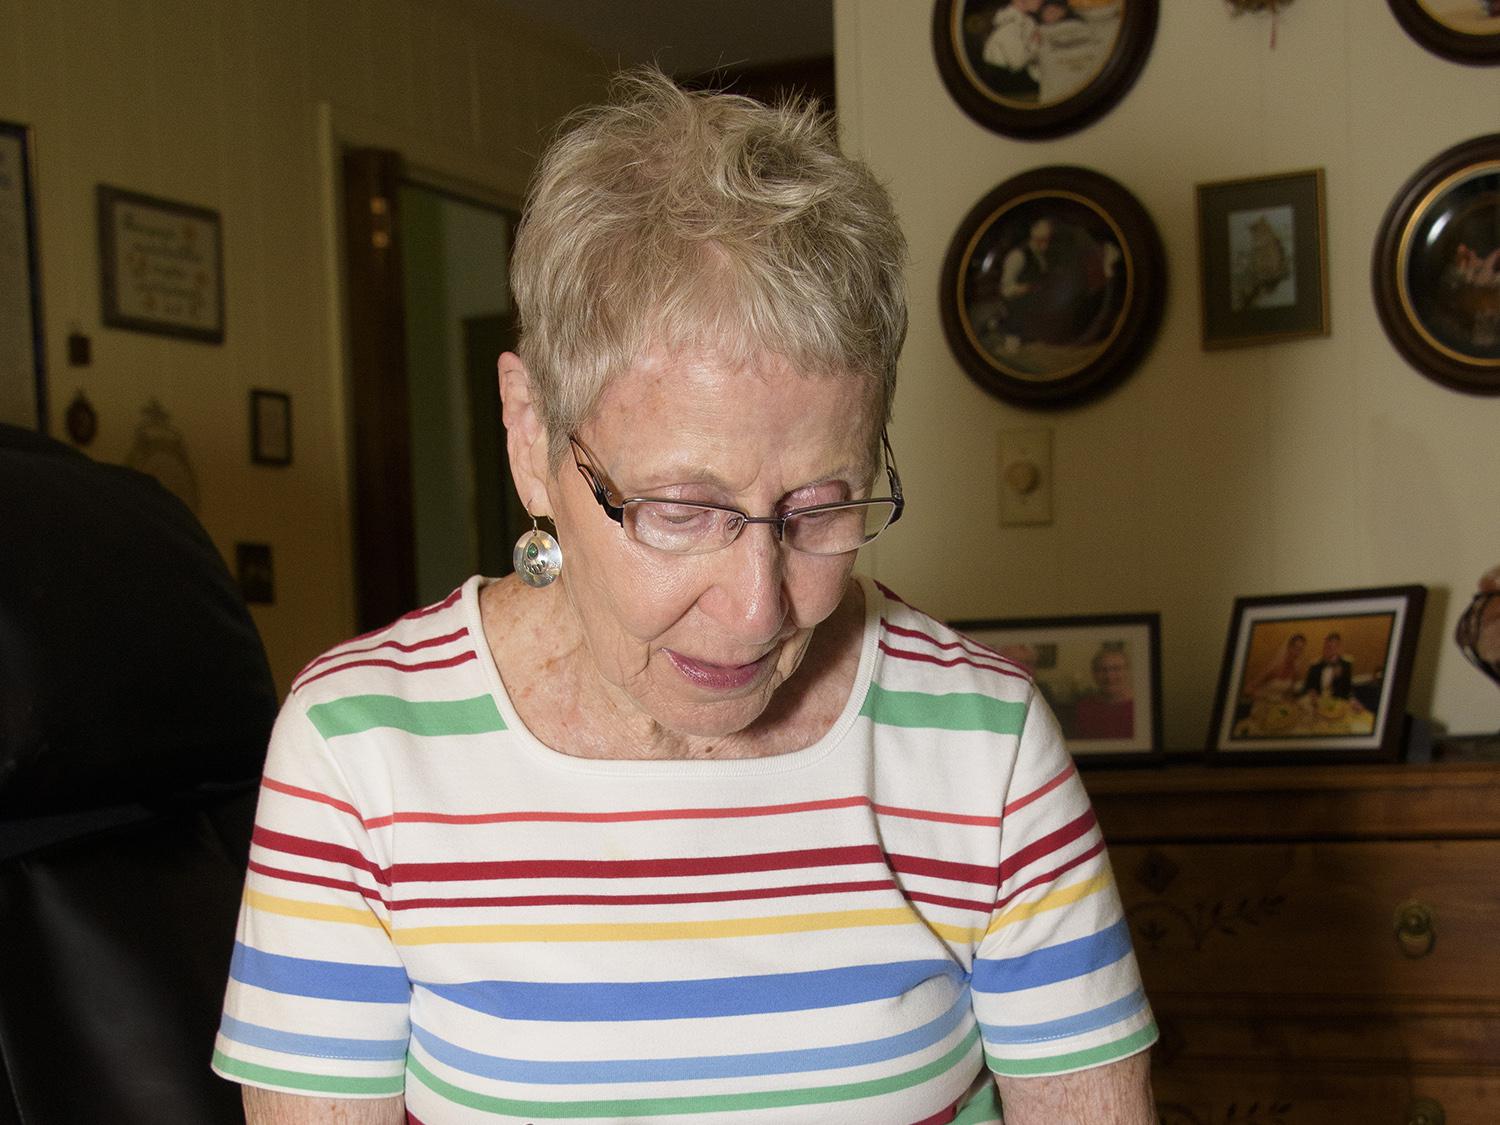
(135, 705)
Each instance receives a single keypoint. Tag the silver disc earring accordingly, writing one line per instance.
(537, 557)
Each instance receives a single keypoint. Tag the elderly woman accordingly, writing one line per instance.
(683, 820)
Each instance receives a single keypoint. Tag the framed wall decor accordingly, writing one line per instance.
(1101, 675)
(161, 266)
(1317, 677)
(23, 369)
(1436, 268)
(1262, 259)
(270, 428)
(1465, 31)
(1040, 68)
(1053, 286)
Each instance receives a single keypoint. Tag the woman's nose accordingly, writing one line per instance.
(750, 590)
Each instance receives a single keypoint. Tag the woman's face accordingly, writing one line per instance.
(701, 643)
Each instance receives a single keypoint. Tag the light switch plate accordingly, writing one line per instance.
(1025, 477)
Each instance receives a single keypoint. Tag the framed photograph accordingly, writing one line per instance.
(1101, 675)
(161, 266)
(1317, 677)
(270, 428)
(1053, 286)
(1465, 31)
(23, 370)
(1263, 254)
(1436, 268)
(1040, 68)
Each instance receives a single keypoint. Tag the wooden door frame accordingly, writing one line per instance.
(426, 161)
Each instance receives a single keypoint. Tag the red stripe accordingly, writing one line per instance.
(1047, 844)
(1048, 876)
(1022, 802)
(966, 644)
(956, 903)
(667, 868)
(647, 900)
(941, 818)
(317, 849)
(891, 595)
(942, 1118)
(308, 795)
(316, 881)
(425, 666)
(412, 616)
(945, 869)
(401, 646)
(928, 658)
(613, 817)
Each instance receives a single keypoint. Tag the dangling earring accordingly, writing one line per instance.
(537, 557)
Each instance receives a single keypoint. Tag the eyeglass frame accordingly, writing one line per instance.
(1466, 632)
(595, 479)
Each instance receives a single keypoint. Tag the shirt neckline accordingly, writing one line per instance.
(539, 751)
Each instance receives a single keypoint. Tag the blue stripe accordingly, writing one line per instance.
(582, 1072)
(318, 1046)
(610, 1002)
(1054, 963)
(1123, 1008)
(323, 980)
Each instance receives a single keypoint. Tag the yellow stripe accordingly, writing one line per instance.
(322, 912)
(659, 931)
(1064, 896)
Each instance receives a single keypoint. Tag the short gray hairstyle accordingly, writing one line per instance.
(668, 218)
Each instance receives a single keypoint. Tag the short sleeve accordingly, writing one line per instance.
(317, 1000)
(1055, 982)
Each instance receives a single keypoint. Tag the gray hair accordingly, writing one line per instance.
(669, 218)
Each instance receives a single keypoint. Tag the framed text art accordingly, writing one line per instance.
(1100, 674)
(1436, 269)
(161, 266)
(1040, 68)
(1262, 252)
(1052, 288)
(23, 387)
(1317, 677)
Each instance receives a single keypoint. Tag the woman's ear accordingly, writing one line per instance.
(525, 436)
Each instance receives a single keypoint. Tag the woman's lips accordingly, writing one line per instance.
(718, 677)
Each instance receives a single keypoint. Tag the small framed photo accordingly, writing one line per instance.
(1263, 252)
(1040, 68)
(1464, 31)
(161, 266)
(1053, 286)
(1436, 268)
(1101, 675)
(1317, 677)
(270, 428)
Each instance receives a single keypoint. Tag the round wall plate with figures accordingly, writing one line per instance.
(1040, 68)
(1053, 286)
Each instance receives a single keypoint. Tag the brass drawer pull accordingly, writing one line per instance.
(1424, 1111)
(1416, 930)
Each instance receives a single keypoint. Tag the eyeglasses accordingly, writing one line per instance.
(682, 528)
(1469, 627)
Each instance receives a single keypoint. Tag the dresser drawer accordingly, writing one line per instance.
(1271, 1098)
(1264, 927)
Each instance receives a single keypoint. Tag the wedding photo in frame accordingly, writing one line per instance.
(1045, 70)
(1316, 676)
(23, 375)
(1100, 674)
(1263, 253)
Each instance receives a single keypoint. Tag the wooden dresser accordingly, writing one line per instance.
(1321, 943)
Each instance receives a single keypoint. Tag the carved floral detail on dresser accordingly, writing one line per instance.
(1155, 921)
(1236, 1113)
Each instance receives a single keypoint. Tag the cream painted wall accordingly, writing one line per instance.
(1311, 465)
(224, 103)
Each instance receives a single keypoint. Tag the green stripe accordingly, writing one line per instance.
(703, 1103)
(318, 1083)
(1056, 1064)
(959, 710)
(356, 713)
(984, 1109)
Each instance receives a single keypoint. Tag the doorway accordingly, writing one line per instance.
(429, 312)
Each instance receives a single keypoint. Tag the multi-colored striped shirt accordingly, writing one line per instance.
(440, 906)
